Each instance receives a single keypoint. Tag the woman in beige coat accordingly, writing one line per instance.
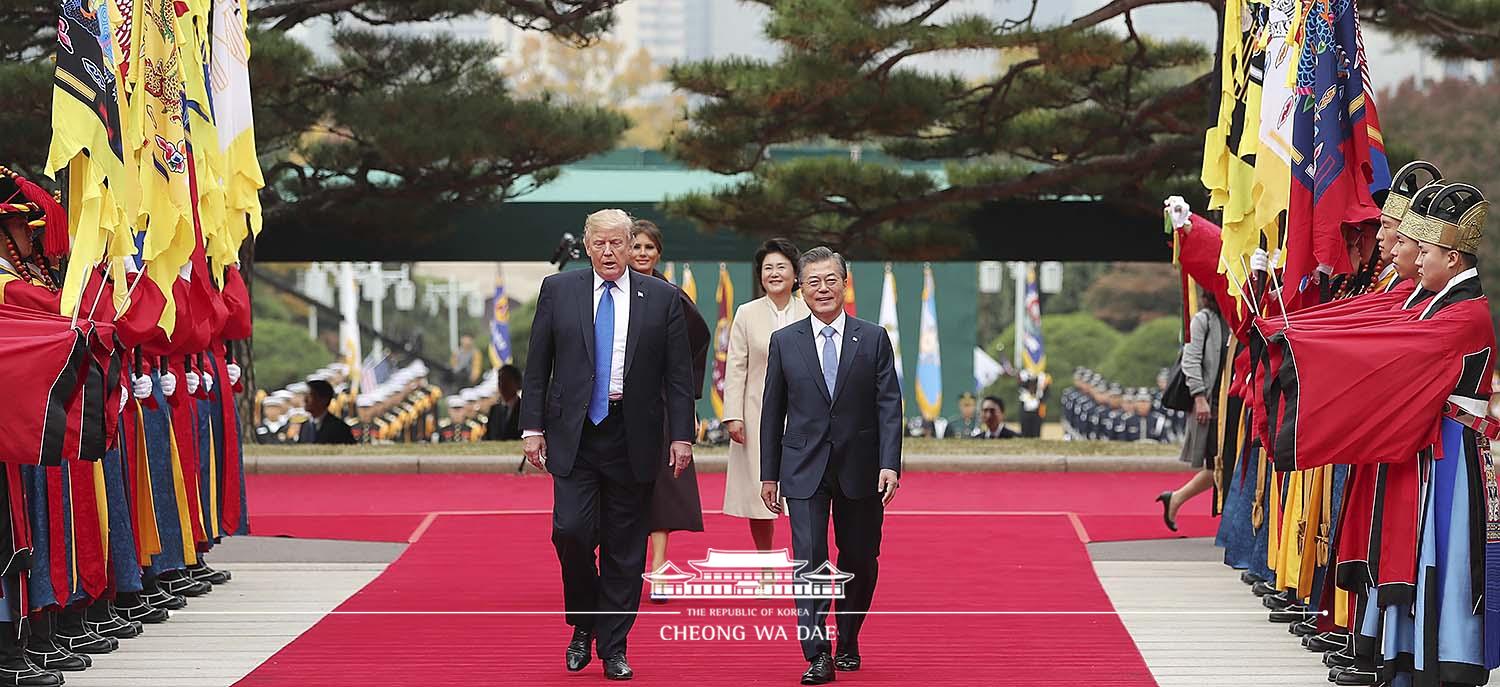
(745, 381)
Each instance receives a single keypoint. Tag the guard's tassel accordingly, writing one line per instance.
(55, 234)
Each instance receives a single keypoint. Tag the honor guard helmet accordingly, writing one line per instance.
(1405, 185)
(1414, 222)
(1456, 220)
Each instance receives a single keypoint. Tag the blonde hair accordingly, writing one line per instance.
(611, 218)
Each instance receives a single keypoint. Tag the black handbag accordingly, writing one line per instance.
(1176, 396)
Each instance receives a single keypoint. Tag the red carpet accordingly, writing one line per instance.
(1110, 506)
(931, 564)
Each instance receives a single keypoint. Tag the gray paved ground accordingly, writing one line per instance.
(281, 587)
(1200, 625)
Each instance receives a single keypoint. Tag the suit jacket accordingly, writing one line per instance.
(333, 430)
(504, 424)
(559, 378)
(857, 429)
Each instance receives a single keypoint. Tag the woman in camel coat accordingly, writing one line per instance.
(745, 381)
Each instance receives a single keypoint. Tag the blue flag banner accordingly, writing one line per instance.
(500, 353)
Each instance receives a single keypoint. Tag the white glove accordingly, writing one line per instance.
(140, 387)
(1259, 260)
(168, 383)
(1275, 257)
(192, 382)
(1179, 212)
(208, 382)
(233, 370)
(124, 394)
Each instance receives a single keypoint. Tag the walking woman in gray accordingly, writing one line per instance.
(1202, 363)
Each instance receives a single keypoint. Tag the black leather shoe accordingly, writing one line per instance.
(203, 573)
(21, 673)
(1166, 506)
(847, 663)
(1290, 614)
(1262, 588)
(1355, 676)
(820, 672)
(1277, 602)
(1337, 659)
(59, 659)
(165, 600)
(116, 627)
(185, 586)
(1325, 642)
(1250, 578)
(578, 655)
(616, 668)
(1307, 627)
(143, 613)
(85, 642)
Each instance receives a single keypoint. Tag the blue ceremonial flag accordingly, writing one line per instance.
(929, 358)
(1033, 355)
(500, 353)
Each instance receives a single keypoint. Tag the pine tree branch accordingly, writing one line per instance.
(1139, 162)
(1118, 7)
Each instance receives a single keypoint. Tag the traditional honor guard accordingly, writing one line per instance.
(1436, 625)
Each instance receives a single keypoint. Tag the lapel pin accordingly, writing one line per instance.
(855, 339)
(640, 294)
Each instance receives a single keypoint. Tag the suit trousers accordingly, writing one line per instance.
(856, 530)
(599, 505)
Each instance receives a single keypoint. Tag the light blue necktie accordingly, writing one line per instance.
(830, 359)
(604, 353)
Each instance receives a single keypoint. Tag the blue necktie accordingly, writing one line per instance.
(830, 359)
(604, 354)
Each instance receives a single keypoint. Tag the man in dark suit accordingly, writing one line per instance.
(505, 416)
(831, 436)
(608, 357)
(321, 427)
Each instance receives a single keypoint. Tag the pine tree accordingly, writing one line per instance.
(1086, 109)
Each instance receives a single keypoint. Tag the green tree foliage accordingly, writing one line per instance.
(1130, 293)
(1460, 137)
(1142, 353)
(1071, 340)
(1074, 109)
(1451, 28)
(284, 354)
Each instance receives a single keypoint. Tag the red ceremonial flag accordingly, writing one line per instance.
(849, 296)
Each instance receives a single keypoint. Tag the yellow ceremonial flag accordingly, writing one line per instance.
(689, 285)
(229, 81)
(193, 43)
(1231, 145)
(86, 139)
(1273, 168)
(156, 109)
(725, 298)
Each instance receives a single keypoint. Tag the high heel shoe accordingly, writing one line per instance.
(1166, 506)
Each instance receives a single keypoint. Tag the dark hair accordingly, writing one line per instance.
(997, 401)
(320, 388)
(786, 249)
(510, 371)
(822, 254)
(1206, 300)
(649, 228)
(1468, 260)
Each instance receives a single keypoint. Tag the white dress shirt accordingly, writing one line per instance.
(621, 296)
(838, 338)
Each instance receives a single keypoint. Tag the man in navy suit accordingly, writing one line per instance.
(831, 438)
(609, 355)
